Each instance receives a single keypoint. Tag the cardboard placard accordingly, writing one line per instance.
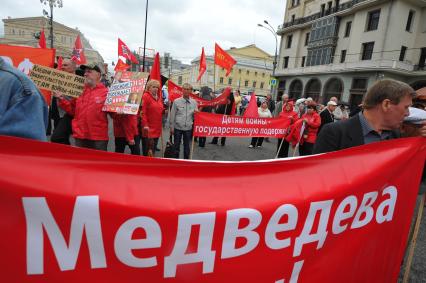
(55, 80)
(125, 95)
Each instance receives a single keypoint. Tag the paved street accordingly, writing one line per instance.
(236, 149)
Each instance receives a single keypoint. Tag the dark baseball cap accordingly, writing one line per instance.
(91, 66)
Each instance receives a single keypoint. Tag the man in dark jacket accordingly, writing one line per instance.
(385, 106)
(205, 93)
(63, 130)
(224, 109)
(327, 114)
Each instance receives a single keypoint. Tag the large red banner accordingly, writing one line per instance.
(176, 91)
(24, 58)
(217, 125)
(106, 217)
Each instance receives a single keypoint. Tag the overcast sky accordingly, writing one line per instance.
(180, 27)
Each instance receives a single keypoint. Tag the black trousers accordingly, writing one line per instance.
(145, 146)
(202, 141)
(99, 145)
(306, 149)
(216, 139)
(63, 130)
(257, 141)
(120, 145)
(283, 152)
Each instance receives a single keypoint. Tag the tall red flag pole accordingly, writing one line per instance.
(203, 65)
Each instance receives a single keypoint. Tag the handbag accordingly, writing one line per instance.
(170, 150)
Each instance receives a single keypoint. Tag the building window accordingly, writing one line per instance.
(285, 63)
(293, 17)
(289, 40)
(348, 29)
(303, 61)
(410, 21)
(402, 54)
(180, 80)
(373, 20)
(329, 5)
(254, 84)
(13, 31)
(295, 90)
(367, 50)
(230, 81)
(246, 83)
(322, 10)
(307, 38)
(248, 72)
(337, 4)
(263, 75)
(255, 73)
(262, 84)
(343, 56)
(294, 3)
(239, 71)
(221, 80)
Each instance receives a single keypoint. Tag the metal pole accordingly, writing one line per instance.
(144, 38)
(51, 23)
(274, 63)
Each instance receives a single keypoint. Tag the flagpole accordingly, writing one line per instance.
(192, 147)
(300, 137)
(279, 148)
(144, 38)
(162, 143)
(214, 78)
(414, 240)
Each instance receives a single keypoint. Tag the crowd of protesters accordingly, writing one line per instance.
(380, 116)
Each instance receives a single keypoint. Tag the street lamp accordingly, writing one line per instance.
(274, 64)
(52, 3)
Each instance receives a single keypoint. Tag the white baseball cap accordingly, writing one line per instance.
(417, 116)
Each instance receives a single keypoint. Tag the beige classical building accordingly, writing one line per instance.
(252, 72)
(339, 48)
(23, 31)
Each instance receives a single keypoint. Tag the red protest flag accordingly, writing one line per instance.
(42, 40)
(121, 66)
(251, 110)
(174, 90)
(223, 59)
(59, 63)
(203, 65)
(125, 52)
(155, 73)
(77, 52)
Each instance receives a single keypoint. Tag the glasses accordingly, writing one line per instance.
(187, 88)
(311, 107)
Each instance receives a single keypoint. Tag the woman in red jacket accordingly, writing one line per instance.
(289, 113)
(152, 115)
(126, 133)
(312, 122)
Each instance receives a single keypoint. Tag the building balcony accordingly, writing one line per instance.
(393, 66)
(300, 22)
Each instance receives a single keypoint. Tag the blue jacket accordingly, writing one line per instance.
(23, 110)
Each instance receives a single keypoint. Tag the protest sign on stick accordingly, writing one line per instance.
(125, 95)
